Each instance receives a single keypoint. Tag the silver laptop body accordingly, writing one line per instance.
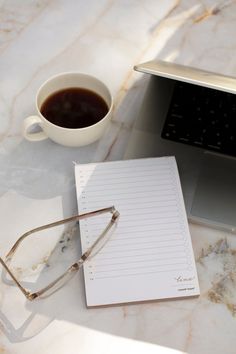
(208, 179)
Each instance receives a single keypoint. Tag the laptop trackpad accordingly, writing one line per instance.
(215, 194)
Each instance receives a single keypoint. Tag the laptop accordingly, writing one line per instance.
(191, 114)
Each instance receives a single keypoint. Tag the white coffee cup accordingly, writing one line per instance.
(61, 135)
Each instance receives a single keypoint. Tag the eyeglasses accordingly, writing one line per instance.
(96, 246)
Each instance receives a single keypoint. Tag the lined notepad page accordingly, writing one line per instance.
(149, 256)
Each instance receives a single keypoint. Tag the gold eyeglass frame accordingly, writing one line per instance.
(74, 267)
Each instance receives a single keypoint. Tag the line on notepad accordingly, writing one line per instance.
(140, 274)
(157, 259)
(128, 168)
(145, 243)
(138, 225)
(121, 178)
(149, 237)
(145, 225)
(143, 248)
(152, 205)
(133, 200)
(139, 267)
(132, 196)
(101, 257)
(144, 205)
(162, 213)
(131, 176)
(127, 183)
(139, 230)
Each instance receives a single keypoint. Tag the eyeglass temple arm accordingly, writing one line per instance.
(57, 223)
(114, 218)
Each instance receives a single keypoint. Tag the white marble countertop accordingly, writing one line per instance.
(105, 38)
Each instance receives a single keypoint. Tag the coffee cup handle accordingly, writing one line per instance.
(29, 122)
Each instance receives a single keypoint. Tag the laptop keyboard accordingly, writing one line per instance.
(202, 117)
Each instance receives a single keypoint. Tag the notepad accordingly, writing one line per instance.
(149, 256)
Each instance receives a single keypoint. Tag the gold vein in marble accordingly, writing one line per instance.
(215, 10)
(220, 260)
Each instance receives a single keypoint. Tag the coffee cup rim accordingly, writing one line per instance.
(73, 73)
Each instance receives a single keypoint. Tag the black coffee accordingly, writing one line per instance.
(74, 108)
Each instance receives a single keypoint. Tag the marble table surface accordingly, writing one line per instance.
(106, 38)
